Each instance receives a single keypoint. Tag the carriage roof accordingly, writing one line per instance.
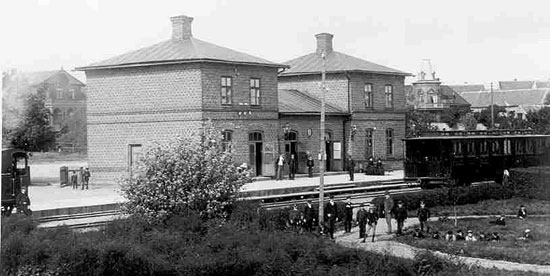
(463, 135)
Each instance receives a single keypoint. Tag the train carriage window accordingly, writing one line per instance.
(470, 148)
(496, 149)
(483, 148)
(20, 163)
(457, 148)
(507, 147)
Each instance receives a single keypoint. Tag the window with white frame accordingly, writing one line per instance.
(254, 91)
(388, 92)
(227, 91)
(227, 138)
(368, 95)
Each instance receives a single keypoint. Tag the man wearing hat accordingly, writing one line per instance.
(400, 216)
(388, 209)
(309, 216)
(362, 220)
(372, 220)
(332, 216)
(348, 215)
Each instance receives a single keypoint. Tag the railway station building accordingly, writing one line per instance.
(262, 108)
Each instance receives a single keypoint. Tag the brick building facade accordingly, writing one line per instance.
(370, 99)
(168, 89)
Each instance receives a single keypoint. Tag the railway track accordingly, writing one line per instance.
(80, 221)
(356, 197)
(357, 193)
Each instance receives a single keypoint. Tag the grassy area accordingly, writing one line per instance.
(510, 248)
(495, 207)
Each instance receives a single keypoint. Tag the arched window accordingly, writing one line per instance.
(227, 138)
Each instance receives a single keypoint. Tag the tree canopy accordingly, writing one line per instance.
(34, 132)
(186, 174)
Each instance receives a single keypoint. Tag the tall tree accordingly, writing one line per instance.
(484, 117)
(451, 116)
(469, 121)
(539, 120)
(35, 132)
(419, 122)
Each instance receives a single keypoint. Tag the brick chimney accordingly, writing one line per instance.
(324, 43)
(181, 27)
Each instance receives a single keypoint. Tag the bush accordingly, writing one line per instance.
(187, 174)
(530, 182)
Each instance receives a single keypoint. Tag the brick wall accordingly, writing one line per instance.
(240, 74)
(138, 106)
(378, 81)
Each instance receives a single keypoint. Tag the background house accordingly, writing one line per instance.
(65, 97)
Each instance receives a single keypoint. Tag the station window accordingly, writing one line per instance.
(227, 90)
(388, 92)
(389, 141)
(227, 138)
(254, 91)
(368, 95)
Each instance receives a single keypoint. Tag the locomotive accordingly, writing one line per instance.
(15, 175)
(434, 158)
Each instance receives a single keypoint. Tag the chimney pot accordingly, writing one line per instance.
(181, 27)
(324, 43)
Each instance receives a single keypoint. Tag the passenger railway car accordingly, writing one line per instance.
(15, 174)
(469, 156)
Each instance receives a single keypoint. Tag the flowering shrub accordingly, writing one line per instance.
(185, 175)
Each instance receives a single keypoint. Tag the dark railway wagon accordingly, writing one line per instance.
(15, 174)
(468, 156)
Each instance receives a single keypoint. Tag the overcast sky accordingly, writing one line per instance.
(467, 41)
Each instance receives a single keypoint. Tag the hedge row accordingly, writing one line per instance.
(449, 196)
(183, 246)
(533, 182)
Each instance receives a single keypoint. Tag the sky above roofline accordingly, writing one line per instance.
(467, 41)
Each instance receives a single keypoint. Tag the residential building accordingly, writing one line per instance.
(428, 94)
(65, 97)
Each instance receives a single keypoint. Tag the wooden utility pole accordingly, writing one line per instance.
(492, 108)
(322, 143)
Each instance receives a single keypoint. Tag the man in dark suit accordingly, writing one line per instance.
(400, 216)
(309, 216)
(348, 215)
(351, 168)
(331, 211)
(292, 167)
(362, 219)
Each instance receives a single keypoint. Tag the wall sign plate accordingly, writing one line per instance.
(309, 132)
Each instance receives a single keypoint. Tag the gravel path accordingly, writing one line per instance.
(384, 245)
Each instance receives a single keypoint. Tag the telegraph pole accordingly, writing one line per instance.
(322, 143)
(492, 108)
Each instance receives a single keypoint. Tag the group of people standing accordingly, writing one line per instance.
(82, 177)
(291, 162)
(366, 217)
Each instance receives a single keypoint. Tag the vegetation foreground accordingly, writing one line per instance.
(194, 246)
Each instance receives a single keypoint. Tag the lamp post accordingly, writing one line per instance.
(322, 143)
